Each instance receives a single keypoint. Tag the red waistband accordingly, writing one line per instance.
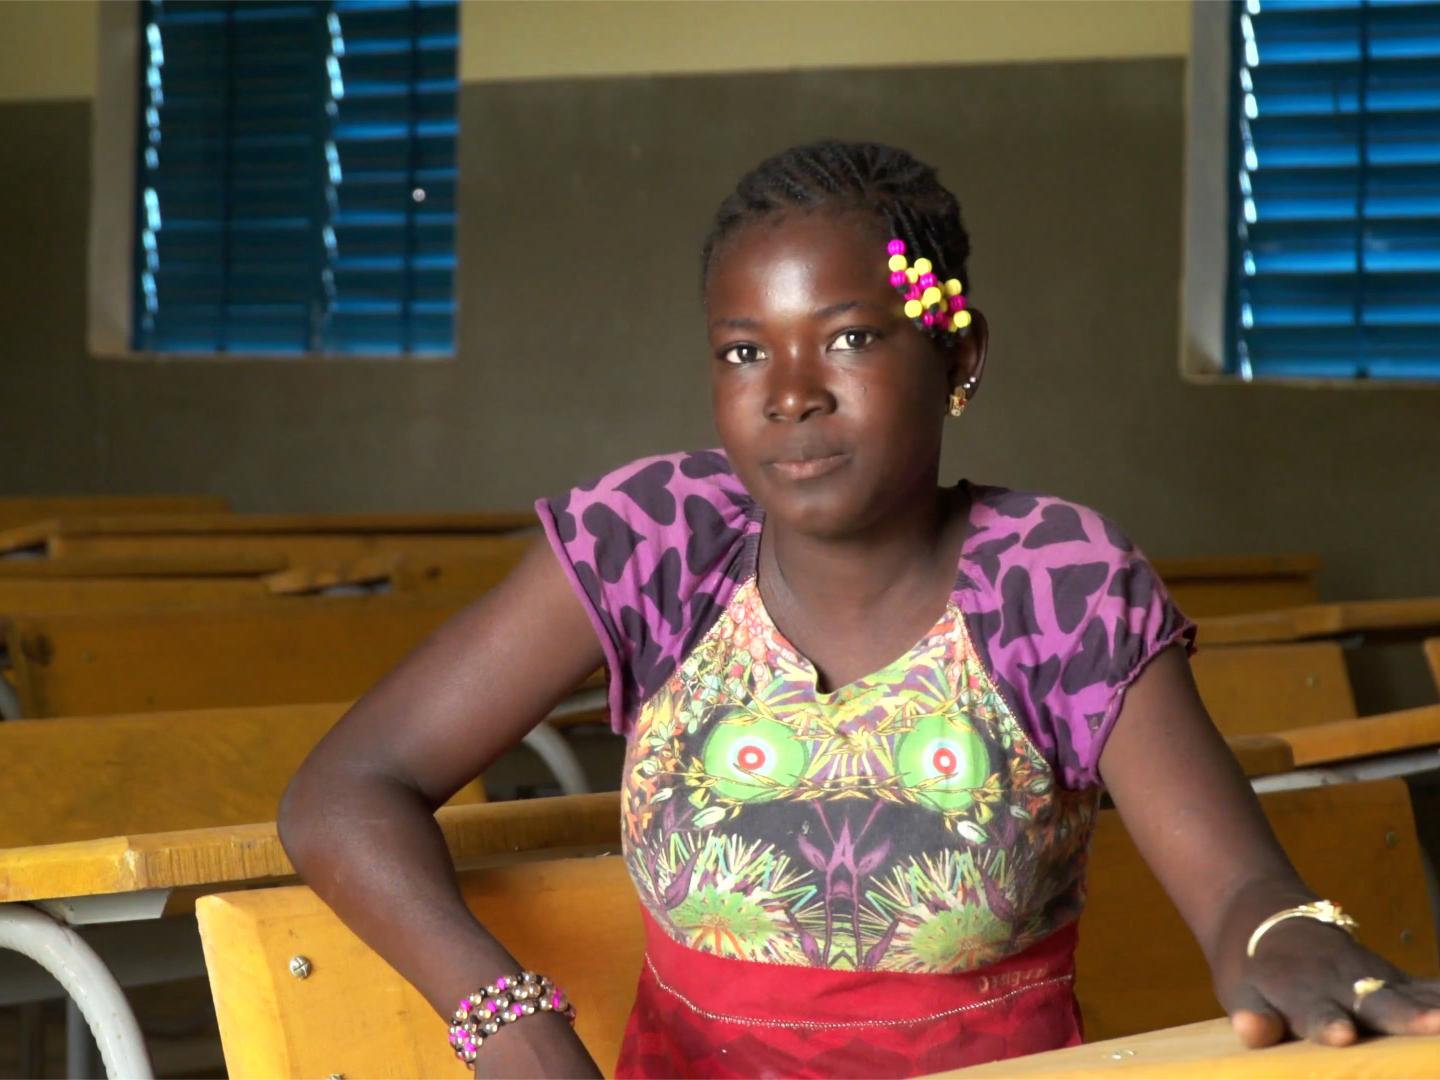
(744, 991)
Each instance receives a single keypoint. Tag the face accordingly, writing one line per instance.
(828, 400)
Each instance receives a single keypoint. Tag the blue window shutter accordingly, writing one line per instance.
(1335, 196)
(297, 177)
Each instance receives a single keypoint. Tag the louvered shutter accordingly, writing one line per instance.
(297, 177)
(1335, 269)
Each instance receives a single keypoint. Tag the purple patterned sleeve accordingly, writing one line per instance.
(653, 550)
(1066, 613)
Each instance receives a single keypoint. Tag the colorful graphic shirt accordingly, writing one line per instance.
(930, 817)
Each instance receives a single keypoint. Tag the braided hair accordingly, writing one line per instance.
(902, 192)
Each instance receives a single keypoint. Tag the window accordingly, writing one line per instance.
(295, 177)
(1334, 192)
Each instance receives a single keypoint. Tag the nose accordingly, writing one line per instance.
(797, 392)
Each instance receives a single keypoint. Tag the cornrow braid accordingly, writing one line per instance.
(903, 192)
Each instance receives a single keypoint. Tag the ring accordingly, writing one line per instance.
(1363, 988)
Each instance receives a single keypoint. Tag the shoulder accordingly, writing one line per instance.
(1065, 611)
(689, 502)
(654, 550)
(1024, 541)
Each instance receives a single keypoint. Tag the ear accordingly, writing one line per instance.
(965, 358)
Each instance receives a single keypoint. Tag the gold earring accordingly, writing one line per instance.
(958, 401)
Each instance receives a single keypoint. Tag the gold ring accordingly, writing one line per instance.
(1363, 988)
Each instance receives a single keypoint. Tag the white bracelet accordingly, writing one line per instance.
(1320, 910)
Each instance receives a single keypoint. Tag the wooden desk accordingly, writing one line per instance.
(1391, 617)
(23, 509)
(56, 535)
(1210, 1051)
(1231, 584)
(136, 880)
(211, 564)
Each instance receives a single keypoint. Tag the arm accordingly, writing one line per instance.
(1199, 826)
(357, 818)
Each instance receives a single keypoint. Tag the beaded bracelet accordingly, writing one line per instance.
(504, 1001)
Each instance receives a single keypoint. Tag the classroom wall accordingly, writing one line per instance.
(1061, 126)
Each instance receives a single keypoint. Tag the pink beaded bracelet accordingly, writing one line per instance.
(504, 1001)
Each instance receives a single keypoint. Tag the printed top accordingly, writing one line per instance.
(932, 816)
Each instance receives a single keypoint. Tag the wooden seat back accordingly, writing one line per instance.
(577, 920)
(61, 596)
(17, 510)
(1260, 689)
(323, 649)
(1233, 584)
(78, 779)
(1138, 967)
(1432, 658)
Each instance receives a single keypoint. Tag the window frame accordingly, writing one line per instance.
(110, 275)
(1205, 324)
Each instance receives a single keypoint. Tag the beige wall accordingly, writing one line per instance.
(47, 47)
(528, 40)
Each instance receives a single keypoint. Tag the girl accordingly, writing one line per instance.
(868, 717)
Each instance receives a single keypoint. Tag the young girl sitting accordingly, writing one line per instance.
(868, 716)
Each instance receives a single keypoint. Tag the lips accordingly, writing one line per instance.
(809, 465)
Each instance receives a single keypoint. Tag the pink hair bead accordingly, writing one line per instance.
(898, 279)
(957, 303)
(928, 318)
(912, 293)
(927, 281)
(896, 247)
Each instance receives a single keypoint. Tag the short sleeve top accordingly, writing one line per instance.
(932, 816)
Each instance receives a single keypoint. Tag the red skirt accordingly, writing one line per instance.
(698, 1015)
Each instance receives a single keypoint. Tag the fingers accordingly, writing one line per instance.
(1407, 1009)
(1255, 1023)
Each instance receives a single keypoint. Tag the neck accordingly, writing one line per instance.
(857, 574)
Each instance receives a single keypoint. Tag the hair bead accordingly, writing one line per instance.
(923, 266)
(913, 308)
(898, 262)
(898, 279)
(896, 247)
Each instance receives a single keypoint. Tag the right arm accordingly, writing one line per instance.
(357, 819)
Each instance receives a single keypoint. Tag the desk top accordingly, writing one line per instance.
(1416, 614)
(238, 854)
(1210, 1051)
(39, 532)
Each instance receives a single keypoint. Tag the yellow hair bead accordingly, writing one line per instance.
(930, 297)
(898, 262)
(923, 266)
(953, 287)
(913, 309)
(912, 275)
(961, 320)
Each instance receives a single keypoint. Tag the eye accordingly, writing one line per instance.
(744, 353)
(753, 761)
(942, 762)
(853, 339)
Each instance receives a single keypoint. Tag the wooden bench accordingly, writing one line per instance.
(398, 571)
(1209, 1050)
(18, 510)
(1432, 658)
(1301, 693)
(1231, 584)
(1138, 965)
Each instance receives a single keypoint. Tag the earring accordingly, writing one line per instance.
(959, 399)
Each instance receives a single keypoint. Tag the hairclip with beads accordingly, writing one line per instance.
(931, 304)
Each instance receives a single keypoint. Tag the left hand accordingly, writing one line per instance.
(1301, 983)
